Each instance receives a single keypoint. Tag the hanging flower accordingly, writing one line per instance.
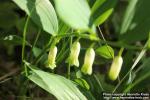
(73, 57)
(115, 67)
(88, 61)
(51, 57)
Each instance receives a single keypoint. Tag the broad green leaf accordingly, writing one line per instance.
(75, 13)
(103, 17)
(129, 14)
(60, 87)
(101, 10)
(139, 27)
(97, 4)
(41, 12)
(13, 39)
(105, 51)
(63, 28)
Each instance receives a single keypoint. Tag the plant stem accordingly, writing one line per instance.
(24, 37)
(36, 39)
(68, 71)
(43, 51)
(94, 38)
(24, 43)
(34, 43)
(105, 42)
(121, 51)
(86, 36)
(63, 50)
(69, 64)
(99, 83)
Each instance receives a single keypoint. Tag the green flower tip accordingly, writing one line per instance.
(88, 61)
(73, 57)
(52, 57)
(115, 68)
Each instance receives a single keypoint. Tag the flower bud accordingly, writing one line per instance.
(73, 57)
(115, 67)
(88, 61)
(51, 57)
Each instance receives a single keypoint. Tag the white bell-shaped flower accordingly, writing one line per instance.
(88, 61)
(115, 67)
(74, 53)
(52, 57)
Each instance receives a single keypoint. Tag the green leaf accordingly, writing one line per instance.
(105, 51)
(103, 17)
(97, 4)
(101, 10)
(139, 26)
(42, 13)
(98, 85)
(75, 13)
(60, 87)
(63, 28)
(82, 83)
(129, 14)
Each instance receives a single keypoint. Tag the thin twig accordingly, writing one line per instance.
(133, 66)
(105, 41)
(99, 83)
(9, 74)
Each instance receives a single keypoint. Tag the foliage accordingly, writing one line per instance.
(39, 25)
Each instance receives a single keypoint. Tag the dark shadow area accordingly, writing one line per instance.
(140, 23)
